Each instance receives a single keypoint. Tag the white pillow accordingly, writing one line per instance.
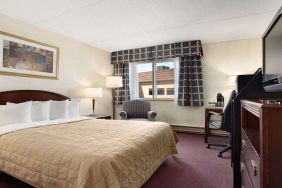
(59, 109)
(40, 111)
(15, 113)
(73, 109)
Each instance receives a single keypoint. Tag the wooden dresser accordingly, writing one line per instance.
(261, 155)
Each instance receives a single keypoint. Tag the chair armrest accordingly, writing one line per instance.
(123, 115)
(152, 115)
(211, 113)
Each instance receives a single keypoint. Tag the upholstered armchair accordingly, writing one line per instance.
(137, 110)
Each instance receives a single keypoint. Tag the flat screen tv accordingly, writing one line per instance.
(272, 55)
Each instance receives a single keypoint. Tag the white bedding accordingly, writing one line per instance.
(4, 129)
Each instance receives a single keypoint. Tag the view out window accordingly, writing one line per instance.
(164, 78)
(145, 80)
(153, 80)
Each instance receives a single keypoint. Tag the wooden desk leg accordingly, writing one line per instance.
(206, 131)
(206, 126)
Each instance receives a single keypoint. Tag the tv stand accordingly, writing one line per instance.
(261, 151)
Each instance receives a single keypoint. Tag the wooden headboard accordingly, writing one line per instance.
(18, 96)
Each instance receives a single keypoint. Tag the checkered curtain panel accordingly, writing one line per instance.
(122, 94)
(189, 50)
(190, 86)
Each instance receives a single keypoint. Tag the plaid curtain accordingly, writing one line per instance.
(183, 50)
(122, 94)
(160, 52)
(190, 86)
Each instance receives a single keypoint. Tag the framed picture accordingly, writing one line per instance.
(20, 56)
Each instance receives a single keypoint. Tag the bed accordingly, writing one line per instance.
(82, 153)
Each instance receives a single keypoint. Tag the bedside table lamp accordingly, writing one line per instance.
(232, 81)
(114, 82)
(93, 93)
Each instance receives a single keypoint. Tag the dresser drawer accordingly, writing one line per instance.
(245, 178)
(251, 161)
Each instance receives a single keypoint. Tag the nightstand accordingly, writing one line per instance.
(100, 116)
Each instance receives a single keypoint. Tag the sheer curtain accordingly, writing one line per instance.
(133, 81)
(176, 79)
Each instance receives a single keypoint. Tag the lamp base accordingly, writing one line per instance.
(93, 107)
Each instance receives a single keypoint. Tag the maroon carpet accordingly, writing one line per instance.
(193, 167)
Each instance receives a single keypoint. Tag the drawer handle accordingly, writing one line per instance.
(254, 167)
(242, 168)
(243, 144)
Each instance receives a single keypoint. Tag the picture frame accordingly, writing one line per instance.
(20, 56)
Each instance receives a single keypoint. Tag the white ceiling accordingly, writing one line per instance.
(121, 24)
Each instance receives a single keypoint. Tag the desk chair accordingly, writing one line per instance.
(223, 123)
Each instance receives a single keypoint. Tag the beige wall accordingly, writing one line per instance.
(220, 61)
(81, 66)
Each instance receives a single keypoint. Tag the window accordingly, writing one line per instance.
(150, 91)
(152, 80)
(161, 91)
(170, 91)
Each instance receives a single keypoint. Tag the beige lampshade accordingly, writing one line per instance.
(114, 81)
(232, 81)
(92, 92)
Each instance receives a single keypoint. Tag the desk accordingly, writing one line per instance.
(207, 110)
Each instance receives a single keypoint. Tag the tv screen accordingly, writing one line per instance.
(273, 56)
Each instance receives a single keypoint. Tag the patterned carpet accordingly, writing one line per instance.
(194, 166)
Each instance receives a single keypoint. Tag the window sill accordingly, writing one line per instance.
(146, 99)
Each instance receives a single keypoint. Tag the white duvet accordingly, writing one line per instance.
(4, 129)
